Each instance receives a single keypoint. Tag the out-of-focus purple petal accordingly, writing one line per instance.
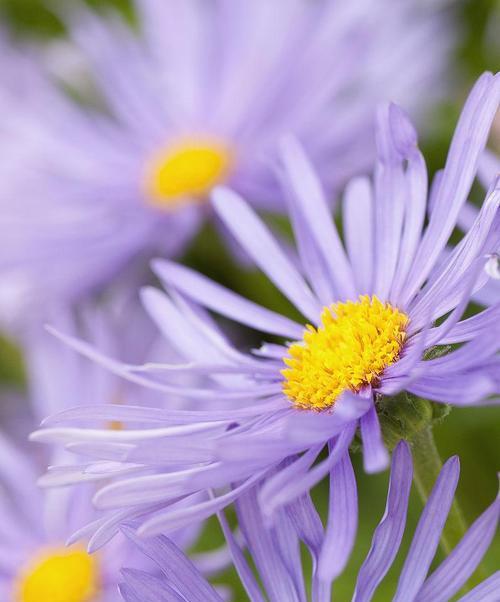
(140, 586)
(179, 570)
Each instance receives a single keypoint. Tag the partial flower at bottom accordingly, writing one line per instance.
(275, 550)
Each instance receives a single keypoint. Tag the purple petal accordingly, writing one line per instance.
(450, 282)
(487, 591)
(179, 516)
(390, 192)
(240, 563)
(358, 231)
(389, 532)
(286, 474)
(307, 523)
(303, 484)
(468, 356)
(179, 571)
(342, 522)
(310, 201)
(375, 455)
(311, 259)
(142, 587)
(456, 389)
(147, 415)
(277, 580)
(428, 532)
(449, 577)
(415, 203)
(224, 301)
(471, 327)
(467, 145)
(256, 239)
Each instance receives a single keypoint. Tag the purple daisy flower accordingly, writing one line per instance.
(375, 306)
(198, 98)
(275, 550)
(35, 563)
(36, 525)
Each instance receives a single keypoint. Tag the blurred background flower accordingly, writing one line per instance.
(114, 135)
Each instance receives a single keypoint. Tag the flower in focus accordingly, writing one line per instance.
(275, 550)
(197, 97)
(382, 317)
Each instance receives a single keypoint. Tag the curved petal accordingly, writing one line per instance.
(428, 533)
(389, 532)
(222, 300)
(375, 454)
(467, 145)
(342, 522)
(307, 193)
(256, 239)
(449, 577)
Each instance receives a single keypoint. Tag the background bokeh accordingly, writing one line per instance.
(473, 434)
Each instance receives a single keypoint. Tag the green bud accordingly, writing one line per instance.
(404, 416)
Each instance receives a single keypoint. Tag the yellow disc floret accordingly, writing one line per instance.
(188, 169)
(350, 349)
(59, 575)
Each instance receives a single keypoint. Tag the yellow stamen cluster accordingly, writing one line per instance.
(60, 575)
(188, 169)
(354, 343)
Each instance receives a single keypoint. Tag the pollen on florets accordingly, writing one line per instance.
(354, 343)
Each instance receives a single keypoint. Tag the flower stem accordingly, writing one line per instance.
(427, 465)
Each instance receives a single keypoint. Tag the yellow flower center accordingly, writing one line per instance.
(350, 349)
(188, 169)
(60, 575)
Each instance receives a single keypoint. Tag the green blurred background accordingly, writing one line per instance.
(472, 434)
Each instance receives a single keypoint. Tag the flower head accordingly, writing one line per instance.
(41, 556)
(382, 316)
(36, 526)
(280, 569)
(197, 97)
(350, 349)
